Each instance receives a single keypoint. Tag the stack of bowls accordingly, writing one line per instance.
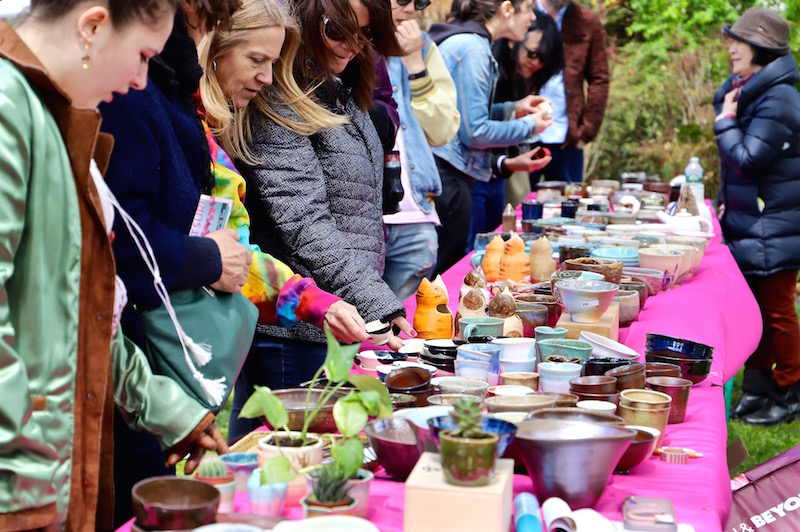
(630, 376)
(670, 262)
(516, 354)
(594, 388)
(628, 256)
(440, 354)
(645, 407)
(411, 380)
(478, 361)
(693, 358)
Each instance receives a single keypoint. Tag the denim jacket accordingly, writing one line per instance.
(422, 172)
(469, 59)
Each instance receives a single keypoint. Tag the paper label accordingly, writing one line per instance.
(211, 214)
(586, 304)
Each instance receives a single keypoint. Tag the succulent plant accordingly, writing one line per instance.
(212, 467)
(329, 485)
(467, 415)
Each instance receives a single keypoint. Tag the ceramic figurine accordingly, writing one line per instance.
(440, 283)
(491, 259)
(503, 306)
(432, 319)
(542, 264)
(472, 305)
(514, 264)
(474, 280)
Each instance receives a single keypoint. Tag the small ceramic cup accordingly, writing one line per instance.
(549, 333)
(555, 377)
(480, 327)
(516, 349)
(676, 388)
(521, 378)
(380, 331)
(628, 306)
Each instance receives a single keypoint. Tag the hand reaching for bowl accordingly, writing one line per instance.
(395, 342)
(346, 323)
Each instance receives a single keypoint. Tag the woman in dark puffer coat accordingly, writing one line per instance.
(758, 135)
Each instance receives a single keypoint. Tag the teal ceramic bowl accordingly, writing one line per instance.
(573, 350)
(627, 256)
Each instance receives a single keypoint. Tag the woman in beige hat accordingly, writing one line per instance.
(758, 135)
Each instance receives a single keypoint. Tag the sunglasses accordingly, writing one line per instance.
(335, 34)
(419, 5)
(532, 54)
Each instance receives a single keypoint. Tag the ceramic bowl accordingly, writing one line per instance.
(661, 369)
(672, 346)
(604, 407)
(174, 503)
(676, 388)
(563, 400)
(472, 369)
(555, 377)
(639, 287)
(294, 399)
(603, 347)
(504, 430)
(689, 261)
(532, 315)
(409, 379)
(668, 261)
(515, 349)
(449, 398)
(654, 279)
(419, 422)
(395, 444)
(380, 331)
(611, 269)
(586, 301)
(695, 370)
(628, 376)
(576, 351)
(519, 403)
(369, 359)
(550, 333)
(593, 384)
(574, 413)
(383, 370)
(510, 389)
(599, 365)
(645, 399)
(605, 397)
(529, 379)
(441, 347)
(513, 367)
(443, 363)
(656, 419)
(640, 449)
(487, 352)
(402, 400)
(571, 460)
(627, 256)
(409, 364)
(628, 306)
(553, 308)
(463, 385)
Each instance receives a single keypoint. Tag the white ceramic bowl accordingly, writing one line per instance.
(510, 389)
(606, 347)
(586, 301)
(369, 359)
(507, 366)
(597, 406)
(472, 369)
(516, 349)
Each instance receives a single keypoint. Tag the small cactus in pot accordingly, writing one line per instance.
(213, 470)
(468, 453)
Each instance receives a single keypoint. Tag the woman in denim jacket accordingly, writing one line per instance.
(465, 44)
(426, 100)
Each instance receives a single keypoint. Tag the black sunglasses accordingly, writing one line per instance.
(335, 34)
(532, 54)
(419, 5)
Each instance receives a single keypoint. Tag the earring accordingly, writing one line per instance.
(85, 58)
(214, 66)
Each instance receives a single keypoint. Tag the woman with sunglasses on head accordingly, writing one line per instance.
(314, 168)
(534, 66)
(63, 361)
(426, 99)
(467, 161)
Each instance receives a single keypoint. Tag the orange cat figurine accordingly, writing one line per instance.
(432, 319)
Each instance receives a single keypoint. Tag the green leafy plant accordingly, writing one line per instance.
(350, 413)
(467, 415)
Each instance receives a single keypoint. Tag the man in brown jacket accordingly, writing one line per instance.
(585, 61)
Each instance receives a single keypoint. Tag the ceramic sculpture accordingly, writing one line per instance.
(514, 264)
(542, 264)
(491, 259)
(432, 319)
(503, 306)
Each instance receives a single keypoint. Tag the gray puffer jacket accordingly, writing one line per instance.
(315, 203)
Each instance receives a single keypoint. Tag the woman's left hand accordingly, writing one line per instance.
(346, 323)
(396, 342)
(527, 105)
(730, 105)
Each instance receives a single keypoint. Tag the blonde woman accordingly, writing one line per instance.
(313, 164)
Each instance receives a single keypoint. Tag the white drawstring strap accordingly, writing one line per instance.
(214, 390)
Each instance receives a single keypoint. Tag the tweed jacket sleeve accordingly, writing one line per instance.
(290, 191)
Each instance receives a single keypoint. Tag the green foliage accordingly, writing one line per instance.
(467, 415)
(277, 470)
(212, 466)
(329, 486)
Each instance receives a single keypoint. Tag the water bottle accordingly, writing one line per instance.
(694, 172)
(526, 513)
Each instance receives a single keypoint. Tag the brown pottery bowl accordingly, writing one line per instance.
(610, 269)
(408, 379)
(595, 384)
(628, 376)
(576, 414)
(640, 449)
(174, 503)
(661, 369)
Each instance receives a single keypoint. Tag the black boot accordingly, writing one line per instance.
(755, 391)
(782, 406)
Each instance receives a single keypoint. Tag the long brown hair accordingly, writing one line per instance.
(311, 62)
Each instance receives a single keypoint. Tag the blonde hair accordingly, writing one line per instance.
(232, 127)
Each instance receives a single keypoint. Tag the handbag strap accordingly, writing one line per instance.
(213, 389)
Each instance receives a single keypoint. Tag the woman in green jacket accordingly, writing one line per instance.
(61, 359)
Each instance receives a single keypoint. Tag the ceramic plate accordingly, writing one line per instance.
(606, 347)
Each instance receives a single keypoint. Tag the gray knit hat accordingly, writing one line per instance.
(761, 28)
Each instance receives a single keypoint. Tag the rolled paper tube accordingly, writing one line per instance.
(553, 508)
(526, 513)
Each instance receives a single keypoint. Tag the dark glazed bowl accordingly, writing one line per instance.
(640, 449)
(661, 369)
(408, 379)
(394, 441)
(599, 365)
(695, 370)
(503, 429)
(661, 344)
(174, 503)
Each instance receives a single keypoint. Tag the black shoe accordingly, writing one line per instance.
(748, 403)
(773, 413)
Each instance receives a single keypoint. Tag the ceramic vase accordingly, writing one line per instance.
(467, 461)
(265, 499)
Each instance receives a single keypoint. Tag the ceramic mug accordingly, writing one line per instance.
(480, 327)
(549, 333)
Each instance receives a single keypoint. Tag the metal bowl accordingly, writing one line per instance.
(571, 460)
(294, 399)
(174, 503)
(576, 414)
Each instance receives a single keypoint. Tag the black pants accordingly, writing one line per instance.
(454, 207)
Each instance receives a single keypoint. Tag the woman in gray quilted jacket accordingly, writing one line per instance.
(314, 168)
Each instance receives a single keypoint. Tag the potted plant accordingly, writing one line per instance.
(213, 470)
(468, 454)
(298, 450)
(267, 488)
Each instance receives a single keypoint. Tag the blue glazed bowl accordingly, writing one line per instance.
(505, 431)
(671, 346)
